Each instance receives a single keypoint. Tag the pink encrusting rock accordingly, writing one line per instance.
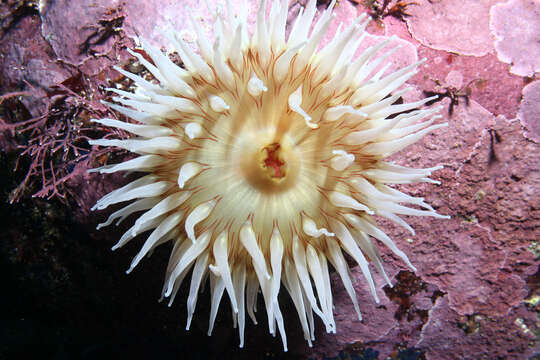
(450, 336)
(455, 26)
(84, 32)
(516, 27)
(529, 111)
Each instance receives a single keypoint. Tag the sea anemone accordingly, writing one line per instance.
(265, 161)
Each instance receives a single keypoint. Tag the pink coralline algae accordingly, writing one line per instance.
(529, 112)
(447, 25)
(516, 26)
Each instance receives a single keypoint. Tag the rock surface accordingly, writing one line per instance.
(515, 26)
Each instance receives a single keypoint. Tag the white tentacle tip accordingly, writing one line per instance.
(310, 228)
(187, 171)
(218, 104)
(255, 86)
(295, 104)
(342, 160)
(193, 130)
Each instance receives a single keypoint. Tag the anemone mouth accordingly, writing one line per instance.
(271, 169)
(265, 161)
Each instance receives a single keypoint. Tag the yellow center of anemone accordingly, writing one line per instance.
(272, 169)
(265, 162)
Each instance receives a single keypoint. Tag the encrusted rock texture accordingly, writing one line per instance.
(476, 292)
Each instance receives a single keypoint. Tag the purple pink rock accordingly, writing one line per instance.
(515, 26)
